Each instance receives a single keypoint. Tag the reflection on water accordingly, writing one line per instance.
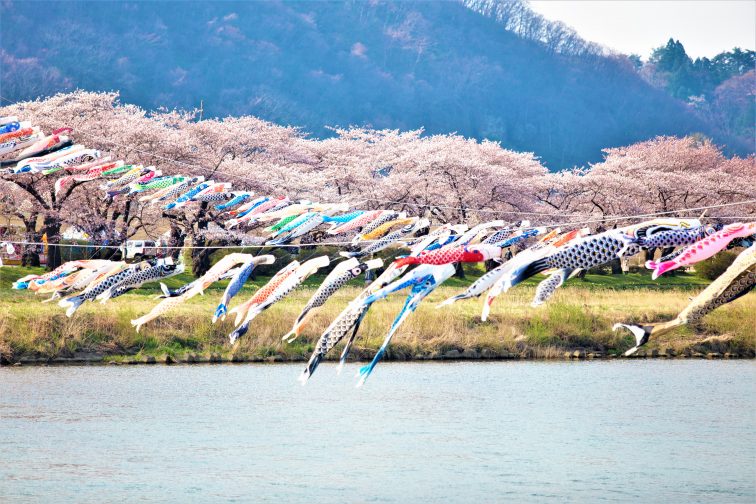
(430, 432)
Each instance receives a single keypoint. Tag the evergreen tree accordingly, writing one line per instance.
(672, 60)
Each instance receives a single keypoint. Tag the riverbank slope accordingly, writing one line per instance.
(576, 323)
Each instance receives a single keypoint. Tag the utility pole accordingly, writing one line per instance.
(201, 109)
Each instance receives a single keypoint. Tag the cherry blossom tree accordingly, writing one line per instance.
(667, 173)
(659, 175)
(242, 150)
(96, 116)
(458, 179)
(448, 178)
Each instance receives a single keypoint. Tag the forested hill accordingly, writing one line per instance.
(438, 65)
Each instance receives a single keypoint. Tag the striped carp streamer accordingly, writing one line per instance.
(282, 289)
(213, 275)
(336, 279)
(233, 288)
(347, 323)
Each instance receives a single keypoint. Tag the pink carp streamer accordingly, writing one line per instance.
(703, 249)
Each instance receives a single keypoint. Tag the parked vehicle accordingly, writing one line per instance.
(138, 249)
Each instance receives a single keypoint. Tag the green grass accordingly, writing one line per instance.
(579, 316)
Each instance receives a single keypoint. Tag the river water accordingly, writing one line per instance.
(617, 431)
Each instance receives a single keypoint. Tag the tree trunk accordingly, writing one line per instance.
(200, 257)
(176, 239)
(51, 228)
(459, 271)
(30, 253)
(369, 276)
(616, 265)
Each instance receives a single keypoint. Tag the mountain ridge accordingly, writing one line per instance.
(440, 66)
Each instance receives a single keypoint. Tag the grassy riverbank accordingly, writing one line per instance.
(578, 319)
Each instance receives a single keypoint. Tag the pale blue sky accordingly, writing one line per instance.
(704, 27)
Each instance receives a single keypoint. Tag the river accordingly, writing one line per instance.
(616, 431)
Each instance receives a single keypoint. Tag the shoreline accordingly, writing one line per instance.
(94, 359)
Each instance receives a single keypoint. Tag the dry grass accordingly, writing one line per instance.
(580, 316)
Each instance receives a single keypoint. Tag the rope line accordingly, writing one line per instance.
(547, 214)
(177, 247)
(345, 244)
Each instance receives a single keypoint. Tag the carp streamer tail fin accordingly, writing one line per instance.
(641, 334)
(348, 344)
(166, 291)
(404, 261)
(296, 330)
(365, 371)
(298, 326)
(138, 323)
(105, 295)
(54, 296)
(220, 312)
(311, 367)
(72, 304)
(660, 268)
(451, 300)
(521, 274)
(486, 311)
(238, 332)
